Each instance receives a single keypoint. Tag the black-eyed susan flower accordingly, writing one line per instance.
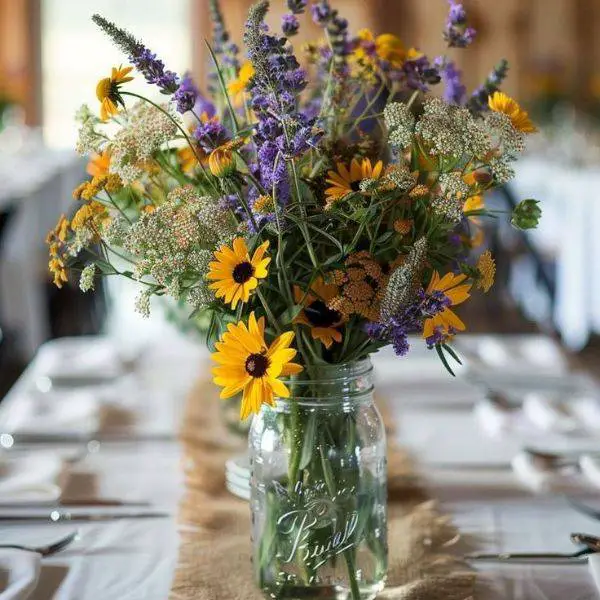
(108, 91)
(346, 181)
(247, 364)
(502, 103)
(235, 274)
(446, 323)
(316, 314)
(221, 162)
(98, 164)
(237, 87)
(486, 266)
(188, 157)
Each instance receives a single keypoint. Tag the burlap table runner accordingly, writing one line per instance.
(214, 555)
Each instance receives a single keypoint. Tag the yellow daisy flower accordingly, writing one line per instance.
(346, 181)
(486, 266)
(316, 314)
(108, 91)
(500, 102)
(248, 365)
(473, 203)
(237, 87)
(390, 48)
(221, 162)
(187, 157)
(234, 274)
(447, 322)
(98, 164)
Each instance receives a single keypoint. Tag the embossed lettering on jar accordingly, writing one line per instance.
(319, 489)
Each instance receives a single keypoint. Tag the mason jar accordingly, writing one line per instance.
(318, 488)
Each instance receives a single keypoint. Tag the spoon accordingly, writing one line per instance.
(591, 545)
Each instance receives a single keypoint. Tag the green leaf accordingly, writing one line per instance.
(453, 354)
(384, 237)
(289, 314)
(440, 352)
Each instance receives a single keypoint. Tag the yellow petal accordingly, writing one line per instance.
(291, 369)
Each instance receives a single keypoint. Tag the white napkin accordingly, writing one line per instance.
(19, 573)
(541, 480)
(33, 477)
(587, 410)
(73, 412)
(594, 566)
(590, 467)
(495, 421)
(548, 415)
(85, 357)
(493, 352)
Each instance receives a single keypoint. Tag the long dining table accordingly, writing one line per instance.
(465, 468)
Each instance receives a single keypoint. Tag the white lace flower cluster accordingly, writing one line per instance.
(173, 244)
(146, 131)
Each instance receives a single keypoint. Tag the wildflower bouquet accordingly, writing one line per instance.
(312, 224)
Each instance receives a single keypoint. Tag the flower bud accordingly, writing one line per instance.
(526, 215)
(221, 162)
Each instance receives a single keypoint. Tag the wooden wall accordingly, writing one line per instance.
(548, 42)
(20, 55)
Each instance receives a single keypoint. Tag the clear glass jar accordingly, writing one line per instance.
(319, 489)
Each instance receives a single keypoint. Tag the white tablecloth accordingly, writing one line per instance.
(36, 183)
(134, 560)
(568, 232)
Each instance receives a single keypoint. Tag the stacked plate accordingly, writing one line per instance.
(237, 476)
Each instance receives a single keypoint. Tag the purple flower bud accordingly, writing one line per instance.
(455, 91)
(210, 135)
(289, 24)
(186, 95)
(296, 6)
(321, 12)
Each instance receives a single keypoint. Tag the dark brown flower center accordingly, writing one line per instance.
(242, 272)
(355, 186)
(257, 364)
(320, 315)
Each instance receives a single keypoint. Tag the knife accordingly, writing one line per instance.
(83, 502)
(61, 516)
(531, 557)
(12, 440)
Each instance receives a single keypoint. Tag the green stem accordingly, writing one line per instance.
(268, 310)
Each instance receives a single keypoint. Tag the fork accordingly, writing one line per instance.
(45, 550)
